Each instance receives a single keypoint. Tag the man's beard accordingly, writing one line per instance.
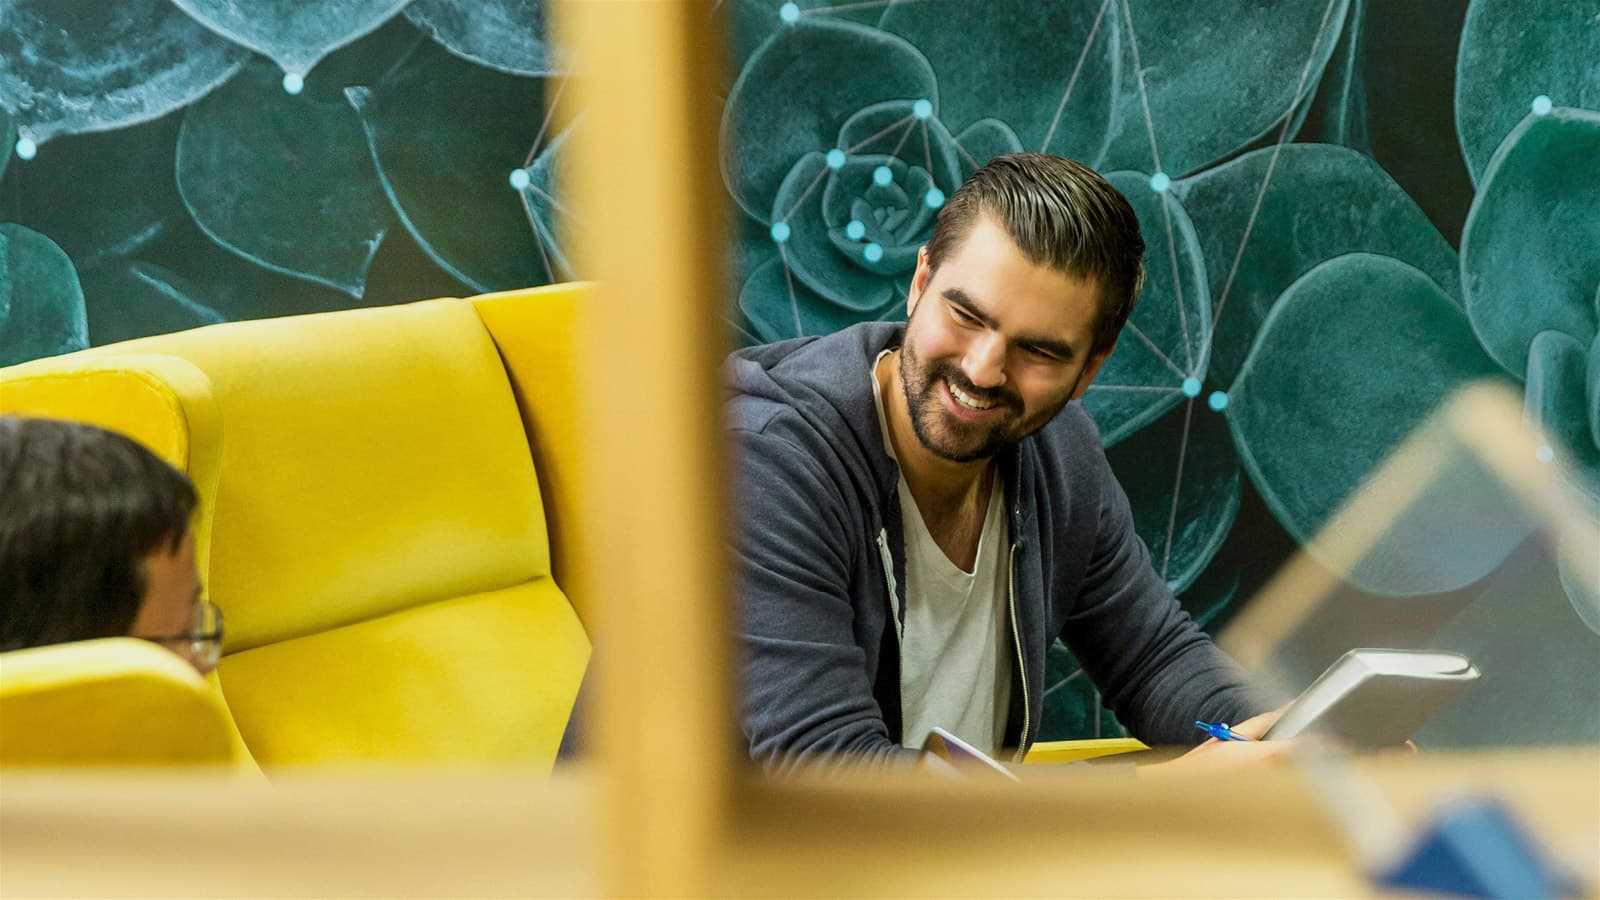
(950, 438)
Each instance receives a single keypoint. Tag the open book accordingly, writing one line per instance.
(1376, 698)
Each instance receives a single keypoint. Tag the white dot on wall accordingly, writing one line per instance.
(292, 83)
(26, 148)
(1542, 105)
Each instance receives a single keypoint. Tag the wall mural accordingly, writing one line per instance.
(1352, 207)
(180, 163)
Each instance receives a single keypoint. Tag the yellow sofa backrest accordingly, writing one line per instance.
(372, 525)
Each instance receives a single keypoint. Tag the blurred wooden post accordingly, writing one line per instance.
(650, 206)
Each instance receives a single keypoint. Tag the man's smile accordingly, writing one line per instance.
(967, 406)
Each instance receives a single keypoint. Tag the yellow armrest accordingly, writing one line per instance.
(1055, 753)
(108, 702)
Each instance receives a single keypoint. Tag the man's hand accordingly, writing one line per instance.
(1253, 728)
(1215, 754)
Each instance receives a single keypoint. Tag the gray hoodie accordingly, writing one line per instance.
(819, 548)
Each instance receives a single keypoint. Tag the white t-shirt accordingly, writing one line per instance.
(955, 651)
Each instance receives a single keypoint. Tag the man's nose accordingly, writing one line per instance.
(985, 361)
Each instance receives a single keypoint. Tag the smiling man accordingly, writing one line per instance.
(923, 509)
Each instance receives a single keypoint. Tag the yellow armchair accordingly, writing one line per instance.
(372, 521)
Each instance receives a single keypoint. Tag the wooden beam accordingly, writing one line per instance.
(652, 235)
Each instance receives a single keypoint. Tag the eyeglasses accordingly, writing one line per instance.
(202, 644)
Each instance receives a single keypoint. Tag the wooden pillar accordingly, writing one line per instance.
(650, 208)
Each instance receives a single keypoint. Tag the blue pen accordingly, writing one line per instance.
(1220, 731)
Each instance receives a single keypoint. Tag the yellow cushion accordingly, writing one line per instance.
(109, 702)
(484, 679)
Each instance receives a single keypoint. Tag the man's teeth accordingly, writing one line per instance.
(966, 401)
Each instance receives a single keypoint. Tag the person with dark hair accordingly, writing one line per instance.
(923, 509)
(95, 542)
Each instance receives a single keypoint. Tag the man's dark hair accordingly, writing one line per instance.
(1061, 214)
(80, 510)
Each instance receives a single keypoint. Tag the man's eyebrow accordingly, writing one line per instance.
(960, 298)
(1049, 345)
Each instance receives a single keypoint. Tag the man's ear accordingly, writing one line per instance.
(919, 280)
(1092, 369)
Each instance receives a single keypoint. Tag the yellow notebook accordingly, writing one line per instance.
(1055, 753)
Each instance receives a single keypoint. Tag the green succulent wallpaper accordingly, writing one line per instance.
(175, 163)
(1352, 208)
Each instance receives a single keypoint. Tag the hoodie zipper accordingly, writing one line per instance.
(888, 579)
(1016, 637)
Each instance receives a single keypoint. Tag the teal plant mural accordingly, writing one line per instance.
(1342, 230)
(1351, 209)
(174, 163)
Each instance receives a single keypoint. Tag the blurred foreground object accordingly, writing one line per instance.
(515, 833)
(1478, 496)
(1476, 848)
